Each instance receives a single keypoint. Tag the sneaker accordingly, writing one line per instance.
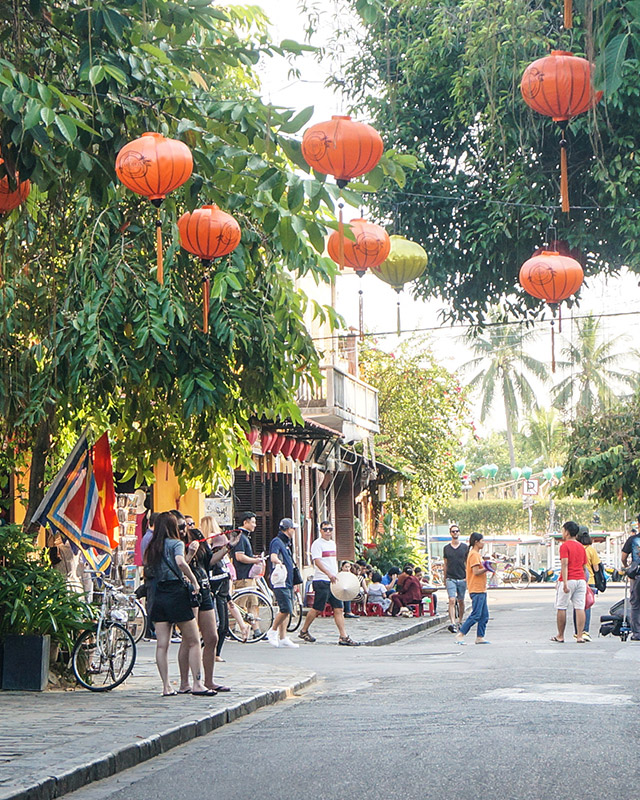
(273, 638)
(176, 639)
(257, 634)
(286, 642)
(347, 641)
(351, 616)
(306, 636)
(586, 635)
(451, 627)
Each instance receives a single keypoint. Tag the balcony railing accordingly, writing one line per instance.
(341, 397)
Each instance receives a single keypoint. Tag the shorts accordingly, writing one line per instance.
(324, 595)
(169, 602)
(207, 599)
(577, 595)
(284, 596)
(456, 588)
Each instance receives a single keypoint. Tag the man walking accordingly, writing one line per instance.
(282, 583)
(243, 560)
(632, 548)
(455, 561)
(325, 561)
(572, 584)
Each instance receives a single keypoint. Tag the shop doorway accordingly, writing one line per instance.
(269, 497)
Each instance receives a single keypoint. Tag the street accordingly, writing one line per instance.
(424, 718)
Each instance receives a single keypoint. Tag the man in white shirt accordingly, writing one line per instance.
(325, 561)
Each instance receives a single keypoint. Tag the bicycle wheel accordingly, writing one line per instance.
(104, 662)
(136, 621)
(256, 611)
(296, 618)
(518, 578)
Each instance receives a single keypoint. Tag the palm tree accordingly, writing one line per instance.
(504, 362)
(546, 436)
(594, 376)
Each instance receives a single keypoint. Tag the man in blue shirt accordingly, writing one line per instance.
(631, 548)
(282, 582)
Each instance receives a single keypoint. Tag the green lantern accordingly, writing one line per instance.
(406, 261)
(516, 472)
(548, 473)
(557, 472)
(460, 465)
(526, 473)
(493, 470)
(484, 470)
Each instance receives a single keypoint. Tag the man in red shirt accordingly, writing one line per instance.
(572, 583)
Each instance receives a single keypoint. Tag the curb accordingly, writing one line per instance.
(396, 636)
(136, 753)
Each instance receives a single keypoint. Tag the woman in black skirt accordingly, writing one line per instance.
(169, 601)
(201, 559)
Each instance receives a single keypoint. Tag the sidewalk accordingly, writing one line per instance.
(55, 742)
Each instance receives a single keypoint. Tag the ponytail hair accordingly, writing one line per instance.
(475, 537)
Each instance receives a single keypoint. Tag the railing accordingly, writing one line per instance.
(342, 395)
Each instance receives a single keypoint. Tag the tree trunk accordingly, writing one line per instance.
(36, 475)
(512, 454)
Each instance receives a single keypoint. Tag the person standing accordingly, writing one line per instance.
(243, 560)
(325, 561)
(593, 562)
(476, 579)
(632, 548)
(281, 557)
(572, 584)
(455, 560)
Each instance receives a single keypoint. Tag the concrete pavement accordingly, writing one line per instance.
(55, 742)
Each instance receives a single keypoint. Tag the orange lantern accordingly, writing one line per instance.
(369, 249)
(552, 277)
(12, 199)
(560, 86)
(342, 148)
(153, 166)
(208, 233)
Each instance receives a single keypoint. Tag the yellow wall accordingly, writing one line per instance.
(166, 494)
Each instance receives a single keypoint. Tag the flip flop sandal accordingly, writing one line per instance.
(169, 694)
(221, 688)
(555, 639)
(184, 691)
(207, 693)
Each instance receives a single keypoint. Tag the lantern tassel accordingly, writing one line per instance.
(160, 272)
(568, 13)
(206, 293)
(398, 315)
(341, 237)
(559, 319)
(553, 346)
(564, 174)
(361, 314)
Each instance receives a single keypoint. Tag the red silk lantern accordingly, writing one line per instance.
(297, 449)
(252, 435)
(287, 446)
(342, 148)
(306, 449)
(12, 199)
(153, 166)
(552, 277)
(370, 248)
(560, 86)
(265, 441)
(208, 233)
(277, 443)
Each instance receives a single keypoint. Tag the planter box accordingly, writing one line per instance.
(26, 663)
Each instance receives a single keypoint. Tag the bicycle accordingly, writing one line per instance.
(295, 620)
(103, 657)
(136, 622)
(256, 611)
(507, 574)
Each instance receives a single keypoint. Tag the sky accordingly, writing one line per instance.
(602, 295)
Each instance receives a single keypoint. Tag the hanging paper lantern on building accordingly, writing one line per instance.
(560, 86)
(406, 261)
(297, 450)
(368, 249)
(252, 435)
(153, 166)
(304, 452)
(266, 439)
(287, 446)
(343, 148)
(551, 277)
(208, 233)
(527, 472)
(276, 444)
(12, 198)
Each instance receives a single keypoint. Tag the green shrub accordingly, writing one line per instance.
(395, 548)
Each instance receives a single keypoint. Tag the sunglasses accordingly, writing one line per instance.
(327, 529)
(455, 530)
(191, 524)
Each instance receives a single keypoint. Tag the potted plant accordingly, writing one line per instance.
(36, 609)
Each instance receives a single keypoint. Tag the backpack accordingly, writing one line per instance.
(599, 578)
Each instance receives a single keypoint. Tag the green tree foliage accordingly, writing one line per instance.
(87, 335)
(396, 547)
(423, 413)
(504, 365)
(593, 364)
(496, 517)
(440, 78)
(603, 461)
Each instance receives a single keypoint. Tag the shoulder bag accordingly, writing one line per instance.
(599, 577)
(590, 598)
(195, 598)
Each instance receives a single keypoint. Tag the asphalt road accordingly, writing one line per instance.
(520, 718)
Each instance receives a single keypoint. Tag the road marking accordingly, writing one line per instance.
(583, 694)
